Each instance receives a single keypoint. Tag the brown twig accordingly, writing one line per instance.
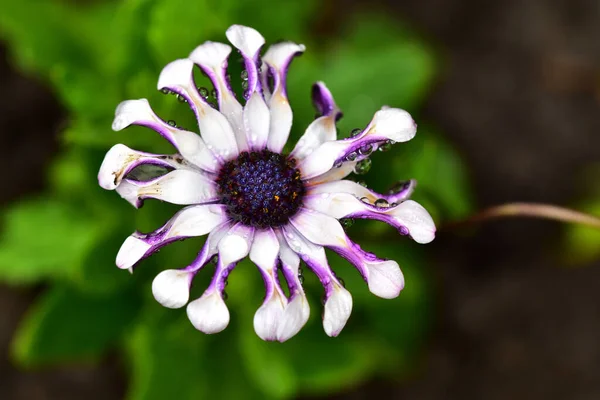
(534, 210)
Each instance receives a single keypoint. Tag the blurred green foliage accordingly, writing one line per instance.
(99, 53)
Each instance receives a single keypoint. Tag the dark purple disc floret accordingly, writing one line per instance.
(261, 188)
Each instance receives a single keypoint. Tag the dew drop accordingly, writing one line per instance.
(385, 146)
(214, 93)
(181, 99)
(362, 183)
(244, 75)
(165, 91)
(382, 203)
(347, 222)
(203, 92)
(341, 281)
(362, 167)
(224, 295)
(355, 132)
(245, 84)
(351, 156)
(172, 123)
(366, 150)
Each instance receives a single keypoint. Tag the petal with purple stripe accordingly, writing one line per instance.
(249, 42)
(188, 222)
(180, 186)
(278, 58)
(120, 160)
(388, 124)
(265, 250)
(212, 57)
(338, 301)
(189, 144)
(401, 192)
(215, 128)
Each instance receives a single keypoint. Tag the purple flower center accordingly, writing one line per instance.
(261, 188)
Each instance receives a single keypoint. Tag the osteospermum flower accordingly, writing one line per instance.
(252, 199)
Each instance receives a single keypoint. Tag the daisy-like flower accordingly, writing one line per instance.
(253, 200)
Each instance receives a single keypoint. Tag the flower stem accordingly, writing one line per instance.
(535, 210)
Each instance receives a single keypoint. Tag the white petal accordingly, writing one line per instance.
(319, 228)
(171, 288)
(338, 308)
(235, 245)
(189, 144)
(265, 249)
(214, 126)
(417, 220)
(247, 40)
(256, 121)
(385, 279)
(131, 251)
(387, 124)
(294, 317)
(278, 58)
(319, 131)
(212, 58)
(268, 317)
(208, 314)
(178, 187)
(334, 174)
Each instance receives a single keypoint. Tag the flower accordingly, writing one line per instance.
(253, 200)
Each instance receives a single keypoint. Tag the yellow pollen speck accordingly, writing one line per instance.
(265, 210)
(276, 198)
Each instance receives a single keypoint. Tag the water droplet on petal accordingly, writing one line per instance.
(181, 99)
(245, 84)
(385, 146)
(214, 93)
(381, 203)
(362, 183)
(224, 295)
(165, 91)
(355, 132)
(341, 281)
(172, 123)
(362, 167)
(351, 156)
(365, 150)
(203, 92)
(346, 222)
(244, 75)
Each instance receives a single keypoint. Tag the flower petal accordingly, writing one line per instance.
(120, 160)
(256, 121)
(297, 311)
(409, 217)
(212, 57)
(208, 314)
(171, 288)
(400, 192)
(334, 174)
(318, 132)
(215, 128)
(236, 244)
(249, 42)
(383, 276)
(323, 101)
(188, 222)
(188, 144)
(265, 250)
(388, 124)
(178, 187)
(338, 301)
(278, 58)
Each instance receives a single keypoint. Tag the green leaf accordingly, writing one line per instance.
(45, 238)
(67, 325)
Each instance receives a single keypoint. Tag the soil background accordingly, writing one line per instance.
(519, 95)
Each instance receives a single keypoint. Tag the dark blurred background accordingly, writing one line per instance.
(518, 95)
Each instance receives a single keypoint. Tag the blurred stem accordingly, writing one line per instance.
(535, 210)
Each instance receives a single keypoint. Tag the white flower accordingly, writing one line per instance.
(254, 201)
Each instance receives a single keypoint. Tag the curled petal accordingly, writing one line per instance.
(256, 121)
(278, 58)
(215, 128)
(338, 302)
(249, 42)
(400, 192)
(188, 144)
(318, 132)
(409, 217)
(265, 250)
(388, 124)
(177, 187)
(297, 311)
(120, 160)
(171, 288)
(211, 57)
(383, 276)
(338, 307)
(323, 101)
(189, 222)
(208, 314)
